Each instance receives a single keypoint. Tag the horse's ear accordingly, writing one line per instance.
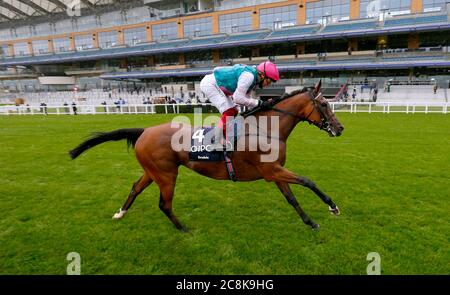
(317, 87)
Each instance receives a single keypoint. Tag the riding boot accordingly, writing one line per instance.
(221, 142)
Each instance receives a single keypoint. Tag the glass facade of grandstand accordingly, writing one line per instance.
(323, 11)
(278, 17)
(83, 42)
(87, 23)
(110, 30)
(115, 18)
(434, 5)
(198, 27)
(327, 11)
(21, 49)
(135, 36)
(231, 4)
(370, 8)
(4, 50)
(64, 26)
(235, 22)
(166, 31)
(107, 39)
(61, 44)
(138, 15)
(40, 47)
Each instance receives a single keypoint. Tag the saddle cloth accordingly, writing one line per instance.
(204, 138)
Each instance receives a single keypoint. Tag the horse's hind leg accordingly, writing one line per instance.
(167, 189)
(286, 190)
(137, 188)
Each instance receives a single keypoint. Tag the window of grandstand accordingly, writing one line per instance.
(86, 23)
(43, 29)
(5, 34)
(231, 4)
(198, 57)
(236, 52)
(83, 42)
(324, 12)
(40, 47)
(4, 50)
(278, 49)
(135, 36)
(138, 15)
(198, 27)
(165, 31)
(374, 8)
(21, 49)
(434, 5)
(61, 44)
(23, 32)
(278, 17)
(64, 26)
(396, 7)
(167, 59)
(437, 39)
(367, 43)
(235, 22)
(110, 19)
(326, 46)
(190, 6)
(369, 9)
(107, 39)
(398, 41)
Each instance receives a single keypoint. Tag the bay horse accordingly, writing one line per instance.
(160, 162)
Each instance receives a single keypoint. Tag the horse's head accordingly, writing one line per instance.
(320, 113)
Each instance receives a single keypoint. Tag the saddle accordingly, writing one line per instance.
(204, 143)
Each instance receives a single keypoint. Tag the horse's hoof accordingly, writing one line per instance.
(119, 214)
(334, 211)
(315, 227)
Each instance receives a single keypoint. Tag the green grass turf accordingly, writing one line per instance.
(389, 174)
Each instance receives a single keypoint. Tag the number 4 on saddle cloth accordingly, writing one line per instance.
(206, 144)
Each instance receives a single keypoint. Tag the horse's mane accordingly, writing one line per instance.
(278, 100)
(295, 92)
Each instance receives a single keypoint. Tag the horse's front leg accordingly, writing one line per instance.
(286, 190)
(281, 174)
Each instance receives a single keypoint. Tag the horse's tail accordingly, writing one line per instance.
(131, 135)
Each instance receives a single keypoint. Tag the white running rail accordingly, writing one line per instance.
(349, 107)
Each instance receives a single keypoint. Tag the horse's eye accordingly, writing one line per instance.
(324, 103)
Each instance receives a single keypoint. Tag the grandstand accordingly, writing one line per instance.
(140, 50)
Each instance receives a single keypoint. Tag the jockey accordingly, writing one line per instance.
(229, 86)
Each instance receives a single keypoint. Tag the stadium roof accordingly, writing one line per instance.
(22, 11)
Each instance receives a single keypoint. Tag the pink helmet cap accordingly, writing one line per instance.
(269, 69)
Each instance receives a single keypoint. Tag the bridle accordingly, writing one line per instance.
(324, 123)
